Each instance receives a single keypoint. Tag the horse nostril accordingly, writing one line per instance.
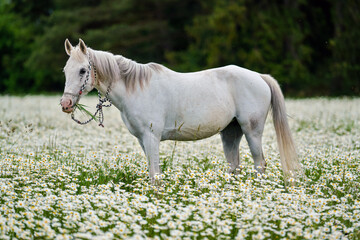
(70, 103)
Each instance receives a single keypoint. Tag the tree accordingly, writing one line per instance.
(136, 29)
(309, 46)
(345, 64)
(262, 36)
(15, 41)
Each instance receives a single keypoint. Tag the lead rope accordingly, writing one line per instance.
(99, 106)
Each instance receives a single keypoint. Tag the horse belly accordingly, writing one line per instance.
(201, 105)
(198, 124)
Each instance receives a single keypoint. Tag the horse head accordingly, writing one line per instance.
(80, 75)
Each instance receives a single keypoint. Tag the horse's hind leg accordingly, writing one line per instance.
(253, 130)
(231, 136)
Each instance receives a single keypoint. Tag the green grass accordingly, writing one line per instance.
(85, 112)
(61, 180)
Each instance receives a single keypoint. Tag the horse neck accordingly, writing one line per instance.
(117, 92)
(107, 75)
(105, 64)
(123, 75)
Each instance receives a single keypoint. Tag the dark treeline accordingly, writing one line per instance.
(310, 46)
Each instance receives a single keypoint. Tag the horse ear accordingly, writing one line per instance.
(68, 47)
(82, 46)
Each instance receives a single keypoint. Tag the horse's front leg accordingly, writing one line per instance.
(150, 144)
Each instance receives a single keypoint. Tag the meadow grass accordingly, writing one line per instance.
(60, 180)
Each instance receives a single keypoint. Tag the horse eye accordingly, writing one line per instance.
(82, 71)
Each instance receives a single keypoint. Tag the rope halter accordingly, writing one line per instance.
(99, 106)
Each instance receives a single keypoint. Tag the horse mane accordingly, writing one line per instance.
(110, 67)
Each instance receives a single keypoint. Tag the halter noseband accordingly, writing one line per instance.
(99, 106)
(82, 88)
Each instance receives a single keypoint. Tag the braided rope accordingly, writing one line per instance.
(99, 106)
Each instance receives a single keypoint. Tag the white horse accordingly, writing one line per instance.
(158, 104)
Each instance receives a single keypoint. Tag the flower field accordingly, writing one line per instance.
(61, 180)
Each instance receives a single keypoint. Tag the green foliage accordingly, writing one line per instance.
(269, 37)
(345, 68)
(309, 46)
(15, 42)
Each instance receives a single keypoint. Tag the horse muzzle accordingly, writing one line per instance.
(67, 105)
(67, 110)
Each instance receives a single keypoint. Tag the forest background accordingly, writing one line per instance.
(310, 46)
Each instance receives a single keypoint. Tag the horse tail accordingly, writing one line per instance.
(288, 154)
